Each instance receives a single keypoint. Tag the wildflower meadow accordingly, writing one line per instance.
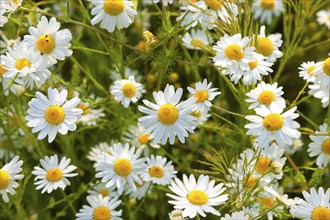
(164, 109)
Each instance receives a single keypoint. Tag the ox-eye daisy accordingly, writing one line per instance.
(100, 208)
(113, 13)
(197, 197)
(266, 94)
(53, 114)
(120, 167)
(272, 124)
(9, 173)
(323, 73)
(168, 118)
(236, 216)
(196, 39)
(307, 70)
(323, 17)
(140, 192)
(53, 174)
(320, 147)
(90, 115)
(266, 9)
(100, 189)
(127, 91)
(203, 94)
(98, 149)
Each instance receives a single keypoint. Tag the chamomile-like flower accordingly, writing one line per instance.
(195, 39)
(266, 95)
(202, 116)
(270, 123)
(49, 41)
(265, 10)
(322, 73)
(9, 174)
(158, 170)
(100, 189)
(100, 208)
(127, 91)
(96, 150)
(54, 114)
(176, 215)
(315, 206)
(112, 13)
(8, 84)
(323, 17)
(203, 94)
(121, 167)
(53, 174)
(280, 197)
(3, 19)
(307, 70)
(320, 147)
(10, 5)
(235, 216)
(197, 197)
(320, 92)
(140, 192)
(90, 115)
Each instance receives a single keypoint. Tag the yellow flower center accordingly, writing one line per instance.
(138, 185)
(85, 108)
(101, 213)
(168, 114)
(113, 7)
(2, 70)
(201, 95)
(326, 146)
(262, 165)
(21, 63)
(4, 179)
(54, 114)
(196, 114)
(104, 192)
(156, 171)
(122, 167)
(250, 182)
(273, 122)
(267, 4)
(45, 43)
(326, 66)
(264, 46)
(266, 97)
(193, 1)
(234, 52)
(54, 175)
(196, 43)
(144, 138)
(197, 197)
(310, 70)
(269, 202)
(213, 4)
(253, 64)
(129, 90)
(321, 213)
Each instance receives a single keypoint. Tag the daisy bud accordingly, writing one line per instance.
(276, 167)
(148, 36)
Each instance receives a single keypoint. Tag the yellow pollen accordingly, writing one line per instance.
(144, 138)
(273, 122)
(253, 64)
(54, 114)
(122, 167)
(197, 114)
(45, 43)
(168, 114)
(262, 165)
(214, 5)
(265, 46)
(326, 146)
(2, 71)
(310, 69)
(113, 7)
(266, 97)
(101, 213)
(197, 197)
(4, 179)
(267, 4)
(156, 171)
(193, 1)
(129, 90)
(54, 175)
(201, 95)
(196, 43)
(85, 108)
(234, 52)
(250, 182)
(21, 63)
(15, 1)
(269, 202)
(321, 213)
(326, 66)
(104, 192)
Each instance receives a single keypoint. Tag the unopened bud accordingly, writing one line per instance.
(276, 167)
(148, 36)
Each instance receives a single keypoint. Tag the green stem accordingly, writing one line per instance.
(299, 94)
(90, 50)
(69, 202)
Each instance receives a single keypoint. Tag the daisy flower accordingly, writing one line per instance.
(236, 215)
(281, 198)
(165, 2)
(202, 116)
(320, 92)
(9, 174)
(268, 46)
(5, 42)
(322, 73)
(53, 174)
(100, 208)
(315, 206)
(90, 115)
(120, 167)
(168, 118)
(176, 215)
(320, 147)
(3, 19)
(159, 171)
(49, 41)
(203, 94)
(233, 53)
(196, 39)
(98, 149)
(197, 197)
(53, 114)
(11, 5)
(266, 95)
(140, 192)
(190, 14)
(8, 84)
(112, 13)
(323, 17)
(307, 70)
(266, 9)
(100, 189)
(127, 91)
(271, 123)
